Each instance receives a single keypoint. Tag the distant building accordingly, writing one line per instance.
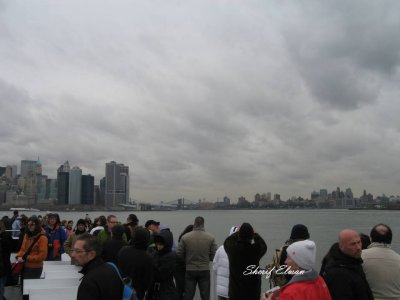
(117, 184)
(62, 188)
(87, 189)
(11, 171)
(75, 186)
(2, 171)
(28, 167)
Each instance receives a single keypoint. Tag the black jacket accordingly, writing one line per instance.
(163, 286)
(111, 249)
(345, 277)
(242, 254)
(136, 263)
(100, 282)
(5, 252)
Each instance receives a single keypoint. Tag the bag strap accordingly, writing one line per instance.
(31, 246)
(116, 269)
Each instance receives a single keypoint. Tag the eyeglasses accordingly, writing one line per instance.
(78, 250)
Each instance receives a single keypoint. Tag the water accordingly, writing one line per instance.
(273, 225)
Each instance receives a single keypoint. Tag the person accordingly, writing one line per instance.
(135, 263)
(6, 245)
(197, 248)
(381, 264)
(69, 243)
(244, 248)
(299, 232)
(16, 225)
(98, 225)
(306, 284)
(343, 271)
(69, 228)
(163, 286)
(132, 222)
(153, 227)
(221, 269)
(181, 267)
(100, 280)
(105, 234)
(365, 241)
(56, 236)
(112, 247)
(23, 230)
(35, 235)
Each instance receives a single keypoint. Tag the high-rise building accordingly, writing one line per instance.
(51, 189)
(117, 184)
(28, 167)
(62, 188)
(75, 186)
(2, 171)
(11, 171)
(87, 189)
(64, 168)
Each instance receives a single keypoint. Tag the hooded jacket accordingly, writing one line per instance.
(39, 251)
(136, 263)
(345, 277)
(163, 287)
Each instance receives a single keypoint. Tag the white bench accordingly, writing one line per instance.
(68, 293)
(56, 283)
(60, 274)
(56, 262)
(47, 267)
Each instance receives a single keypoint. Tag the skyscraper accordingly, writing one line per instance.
(62, 188)
(75, 186)
(87, 189)
(28, 167)
(117, 184)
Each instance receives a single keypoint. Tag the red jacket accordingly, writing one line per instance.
(305, 290)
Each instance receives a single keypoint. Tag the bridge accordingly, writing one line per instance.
(181, 203)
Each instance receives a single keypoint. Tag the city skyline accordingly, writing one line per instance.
(206, 99)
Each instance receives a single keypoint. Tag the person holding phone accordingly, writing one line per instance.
(306, 284)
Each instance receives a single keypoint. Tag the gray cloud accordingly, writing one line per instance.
(205, 99)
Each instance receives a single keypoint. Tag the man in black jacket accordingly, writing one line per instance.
(343, 272)
(244, 248)
(100, 280)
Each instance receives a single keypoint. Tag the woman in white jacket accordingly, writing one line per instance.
(221, 269)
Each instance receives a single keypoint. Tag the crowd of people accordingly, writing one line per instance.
(355, 267)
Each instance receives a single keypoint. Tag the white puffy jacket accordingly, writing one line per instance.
(221, 268)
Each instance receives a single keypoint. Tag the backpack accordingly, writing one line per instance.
(129, 292)
(276, 279)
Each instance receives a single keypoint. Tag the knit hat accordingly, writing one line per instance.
(81, 221)
(299, 232)
(233, 230)
(303, 254)
(246, 232)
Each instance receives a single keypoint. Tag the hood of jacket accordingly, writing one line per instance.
(165, 237)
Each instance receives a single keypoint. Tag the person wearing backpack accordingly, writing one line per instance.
(100, 281)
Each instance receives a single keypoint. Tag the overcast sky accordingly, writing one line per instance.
(204, 99)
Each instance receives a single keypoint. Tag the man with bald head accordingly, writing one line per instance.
(344, 274)
(382, 265)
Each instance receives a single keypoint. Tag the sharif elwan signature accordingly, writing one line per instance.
(282, 270)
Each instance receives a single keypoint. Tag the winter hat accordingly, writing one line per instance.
(233, 230)
(246, 232)
(303, 254)
(299, 232)
(81, 221)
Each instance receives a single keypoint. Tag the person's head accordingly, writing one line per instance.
(164, 241)
(33, 226)
(53, 220)
(101, 221)
(85, 249)
(381, 233)
(301, 255)
(2, 227)
(64, 223)
(141, 238)
(15, 213)
(188, 228)
(299, 232)
(111, 221)
(350, 243)
(152, 225)
(365, 241)
(246, 232)
(80, 226)
(70, 224)
(198, 222)
(117, 231)
(132, 219)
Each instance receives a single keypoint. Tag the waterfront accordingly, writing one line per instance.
(273, 225)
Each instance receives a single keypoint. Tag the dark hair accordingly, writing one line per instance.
(102, 220)
(381, 233)
(198, 222)
(188, 228)
(38, 227)
(92, 243)
(365, 241)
